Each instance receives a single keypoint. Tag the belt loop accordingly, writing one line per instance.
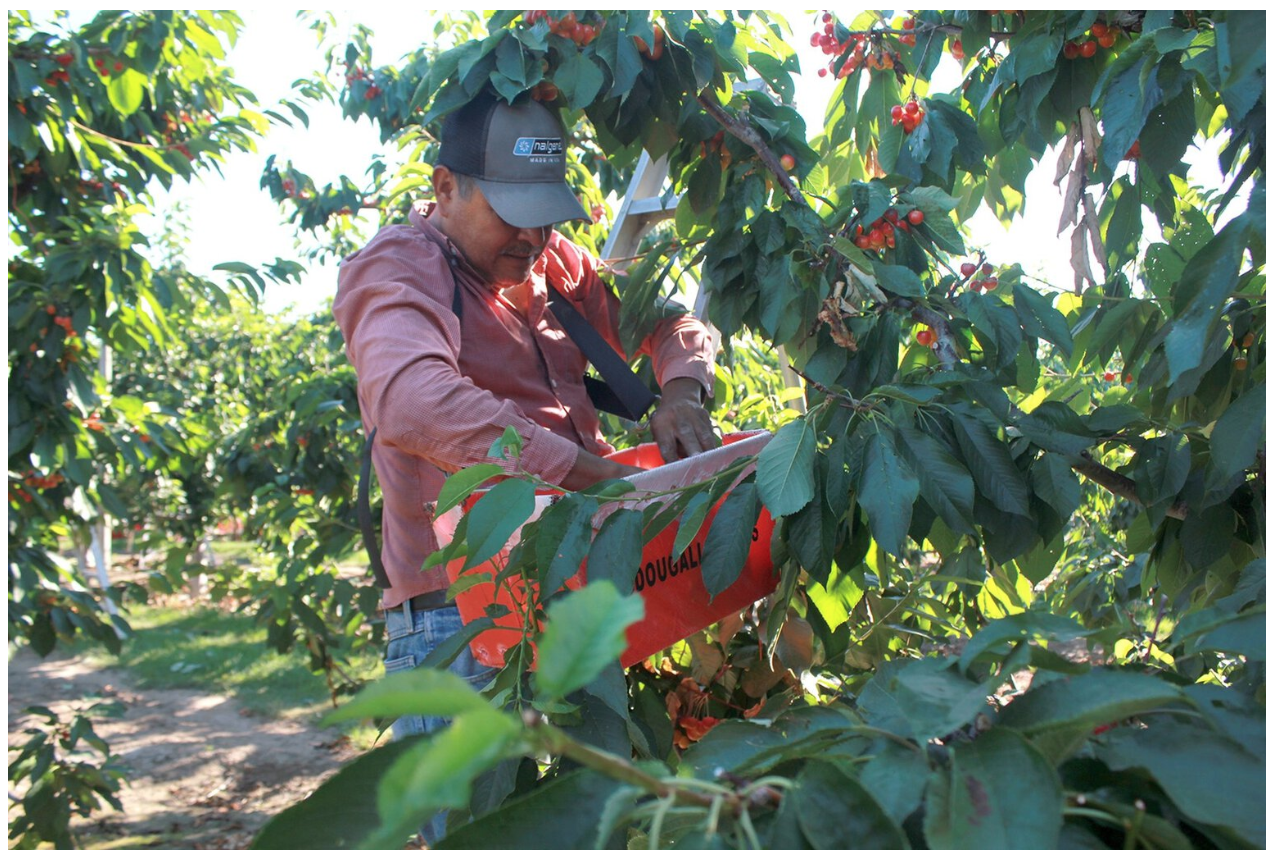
(411, 624)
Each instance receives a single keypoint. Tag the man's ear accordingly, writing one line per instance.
(444, 186)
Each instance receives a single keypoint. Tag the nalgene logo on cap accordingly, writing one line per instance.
(538, 147)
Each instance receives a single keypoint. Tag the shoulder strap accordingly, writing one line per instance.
(622, 392)
(364, 509)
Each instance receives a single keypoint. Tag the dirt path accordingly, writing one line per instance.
(204, 774)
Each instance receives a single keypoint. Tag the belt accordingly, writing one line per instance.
(430, 600)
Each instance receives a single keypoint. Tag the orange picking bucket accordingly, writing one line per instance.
(676, 600)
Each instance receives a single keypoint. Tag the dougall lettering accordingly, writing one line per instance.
(666, 567)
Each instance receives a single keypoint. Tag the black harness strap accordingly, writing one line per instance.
(364, 508)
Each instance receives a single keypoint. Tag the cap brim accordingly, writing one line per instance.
(532, 206)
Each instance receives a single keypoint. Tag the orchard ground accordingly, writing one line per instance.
(212, 753)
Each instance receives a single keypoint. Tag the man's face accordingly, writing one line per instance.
(502, 254)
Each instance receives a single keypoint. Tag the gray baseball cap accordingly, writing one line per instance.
(517, 156)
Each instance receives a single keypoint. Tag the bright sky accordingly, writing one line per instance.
(232, 219)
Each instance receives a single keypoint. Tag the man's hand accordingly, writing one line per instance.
(589, 469)
(680, 425)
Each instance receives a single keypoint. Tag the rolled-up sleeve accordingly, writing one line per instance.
(393, 305)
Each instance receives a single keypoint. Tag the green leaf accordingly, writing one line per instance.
(584, 633)
(725, 549)
(1206, 283)
(785, 469)
(126, 91)
(1040, 319)
(898, 280)
(416, 691)
(937, 206)
(616, 551)
(887, 490)
(439, 772)
(934, 699)
(1208, 778)
(341, 812)
(495, 517)
(999, 794)
(895, 776)
(1024, 625)
(562, 540)
(1161, 468)
(836, 812)
(459, 485)
(1055, 482)
(1087, 700)
(446, 652)
(1238, 435)
(944, 482)
(691, 521)
(1244, 635)
(990, 463)
(563, 811)
(509, 445)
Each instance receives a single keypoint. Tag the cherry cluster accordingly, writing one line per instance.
(1105, 35)
(568, 26)
(909, 37)
(987, 281)
(104, 68)
(651, 52)
(909, 115)
(289, 188)
(63, 321)
(825, 40)
(36, 480)
(880, 234)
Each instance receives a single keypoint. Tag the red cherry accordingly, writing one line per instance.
(119, 66)
(987, 270)
(65, 59)
(1128, 378)
(814, 37)
(891, 215)
(915, 216)
(912, 107)
(968, 269)
(1108, 376)
(925, 337)
(896, 112)
(1070, 50)
(822, 72)
(827, 17)
(957, 50)
(1106, 41)
(787, 162)
(1088, 49)
(990, 282)
(862, 242)
(1099, 29)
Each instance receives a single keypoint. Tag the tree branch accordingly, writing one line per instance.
(1119, 485)
(744, 132)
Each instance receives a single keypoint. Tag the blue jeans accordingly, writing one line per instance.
(412, 635)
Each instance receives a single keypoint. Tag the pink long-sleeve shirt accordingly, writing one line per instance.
(441, 390)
